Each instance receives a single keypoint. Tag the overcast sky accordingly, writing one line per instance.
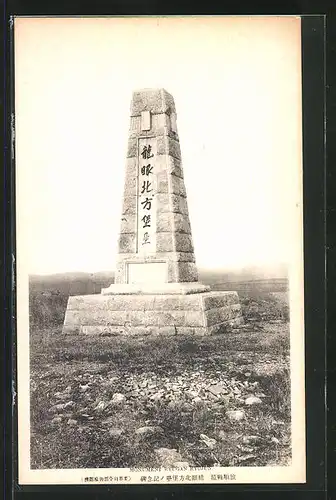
(237, 88)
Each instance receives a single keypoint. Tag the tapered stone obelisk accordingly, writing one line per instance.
(156, 287)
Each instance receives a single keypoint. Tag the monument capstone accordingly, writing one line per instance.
(156, 288)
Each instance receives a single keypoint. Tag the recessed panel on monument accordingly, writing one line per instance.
(155, 269)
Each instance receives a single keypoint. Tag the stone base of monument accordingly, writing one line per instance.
(125, 310)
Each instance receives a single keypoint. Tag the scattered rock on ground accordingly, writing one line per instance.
(168, 456)
(61, 406)
(181, 464)
(148, 430)
(115, 432)
(210, 442)
(218, 389)
(56, 420)
(252, 400)
(251, 439)
(235, 415)
(118, 398)
(71, 421)
(100, 406)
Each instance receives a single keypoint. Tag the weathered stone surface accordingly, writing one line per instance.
(168, 146)
(177, 186)
(174, 166)
(160, 125)
(131, 168)
(182, 223)
(222, 314)
(164, 242)
(187, 272)
(129, 205)
(100, 317)
(153, 100)
(130, 186)
(165, 222)
(183, 243)
(128, 224)
(142, 315)
(194, 318)
(156, 318)
(159, 256)
(127, 242)
(132, 149)
(173, 222)
(139, 302)
(179, 204)
(214, 299)
(162, 182)
(172, 203)
(156, 290)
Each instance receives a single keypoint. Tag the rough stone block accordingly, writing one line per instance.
(181, 256)
(179, 204)
(187, 272)
(160, 125)
(194, 318)
(213, 300)
(174, 222)
(222, 314)
(131, 168)
(130, 186)
(96, 316)
(129, 205)
(101, 330)
(167, 330)
(132, 149)
(127, 243)
(119, 273)
(165, 222)
(168, 146)
(181, 223)
(128, 224)
(157, 101)
(171, 303)
(191, 330)
(177, 186)
(174, 166)
(164, 242)
(183, 242)
(162, 182)
(147, 314)
(157, 257)
(156, 289)
(156, 318)
(162, 203)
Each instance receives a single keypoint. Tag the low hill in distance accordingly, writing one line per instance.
(80, 283)
(48, 295)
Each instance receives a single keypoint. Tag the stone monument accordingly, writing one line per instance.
(156, 287)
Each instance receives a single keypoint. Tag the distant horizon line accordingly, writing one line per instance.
(245, 268)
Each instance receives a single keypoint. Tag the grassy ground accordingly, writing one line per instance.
(90, 396)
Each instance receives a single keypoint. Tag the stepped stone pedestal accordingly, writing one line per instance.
(156, 287)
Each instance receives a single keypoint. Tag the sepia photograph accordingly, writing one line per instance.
(160, 318)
